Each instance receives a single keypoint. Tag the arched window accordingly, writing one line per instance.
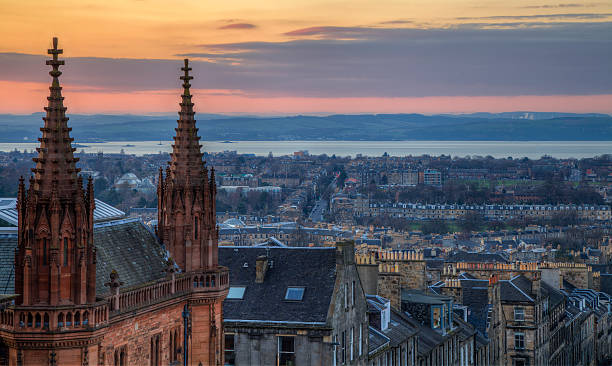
(44, 253)
(65, 251)
(69, 319)
(86, 318)
(60, 320)
(196, 228)
(37, 323)
(46, 321)
(30, 320)
(77, 319)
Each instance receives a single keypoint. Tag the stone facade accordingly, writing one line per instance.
(340, 338)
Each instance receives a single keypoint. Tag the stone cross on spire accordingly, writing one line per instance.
(55, 62)
(186, 78)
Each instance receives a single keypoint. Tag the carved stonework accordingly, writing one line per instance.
(186, 195)
(49, 213)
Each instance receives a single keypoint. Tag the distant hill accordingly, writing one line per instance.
(481, 126)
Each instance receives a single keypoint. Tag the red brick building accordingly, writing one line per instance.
(111, 294)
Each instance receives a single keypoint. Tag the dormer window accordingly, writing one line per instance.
(294, 293)
(385, 316)
(236, 292)
(436, 317)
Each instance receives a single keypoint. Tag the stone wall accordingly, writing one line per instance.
(389, 287)
(135, 332)
(258, 346)
(368, 274)
(354, 316)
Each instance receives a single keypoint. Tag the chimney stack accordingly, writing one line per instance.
(261, 267)
(536, 284)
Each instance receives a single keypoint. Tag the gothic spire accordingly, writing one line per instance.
(186, 155)
(55, 161)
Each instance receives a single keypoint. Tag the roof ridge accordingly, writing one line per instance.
(521, 291)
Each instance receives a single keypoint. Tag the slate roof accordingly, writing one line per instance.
(131, 249)
(555, 297)
(8, 244)
(124, 245)
(434, 263)
(102, 212)
(420, 297)
(398, 329)
(509, 291)
(462, 256)
(475, 297)
(377, 340)
(312, 268)
(428, 338)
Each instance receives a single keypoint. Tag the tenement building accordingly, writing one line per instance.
(109, 293)
(292, 306)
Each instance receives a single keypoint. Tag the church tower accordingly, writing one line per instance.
(186, 195)
(55, 261)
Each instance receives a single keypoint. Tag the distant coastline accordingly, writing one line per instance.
(512, 126)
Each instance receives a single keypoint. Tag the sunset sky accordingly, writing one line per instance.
(311, 57)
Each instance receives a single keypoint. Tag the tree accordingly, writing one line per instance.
(435, 227)
(142, 202)
(471, 221)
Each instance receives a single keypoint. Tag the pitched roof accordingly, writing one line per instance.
(476, 297)
(377, 340)
(131, 249)
(8, 244)
(311, 268)
(462, 256)
(102, 212)
(399, 328)
(514, 291)
(124, 245)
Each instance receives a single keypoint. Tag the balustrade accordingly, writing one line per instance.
(176, 284)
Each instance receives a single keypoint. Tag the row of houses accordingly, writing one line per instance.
(309, 306)
(523, 313)
(363, 207)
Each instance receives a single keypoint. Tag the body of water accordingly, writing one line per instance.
(498, 149)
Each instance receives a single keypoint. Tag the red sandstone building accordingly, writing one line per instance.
(110, 293)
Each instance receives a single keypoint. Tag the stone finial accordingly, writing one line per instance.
(114, 282)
